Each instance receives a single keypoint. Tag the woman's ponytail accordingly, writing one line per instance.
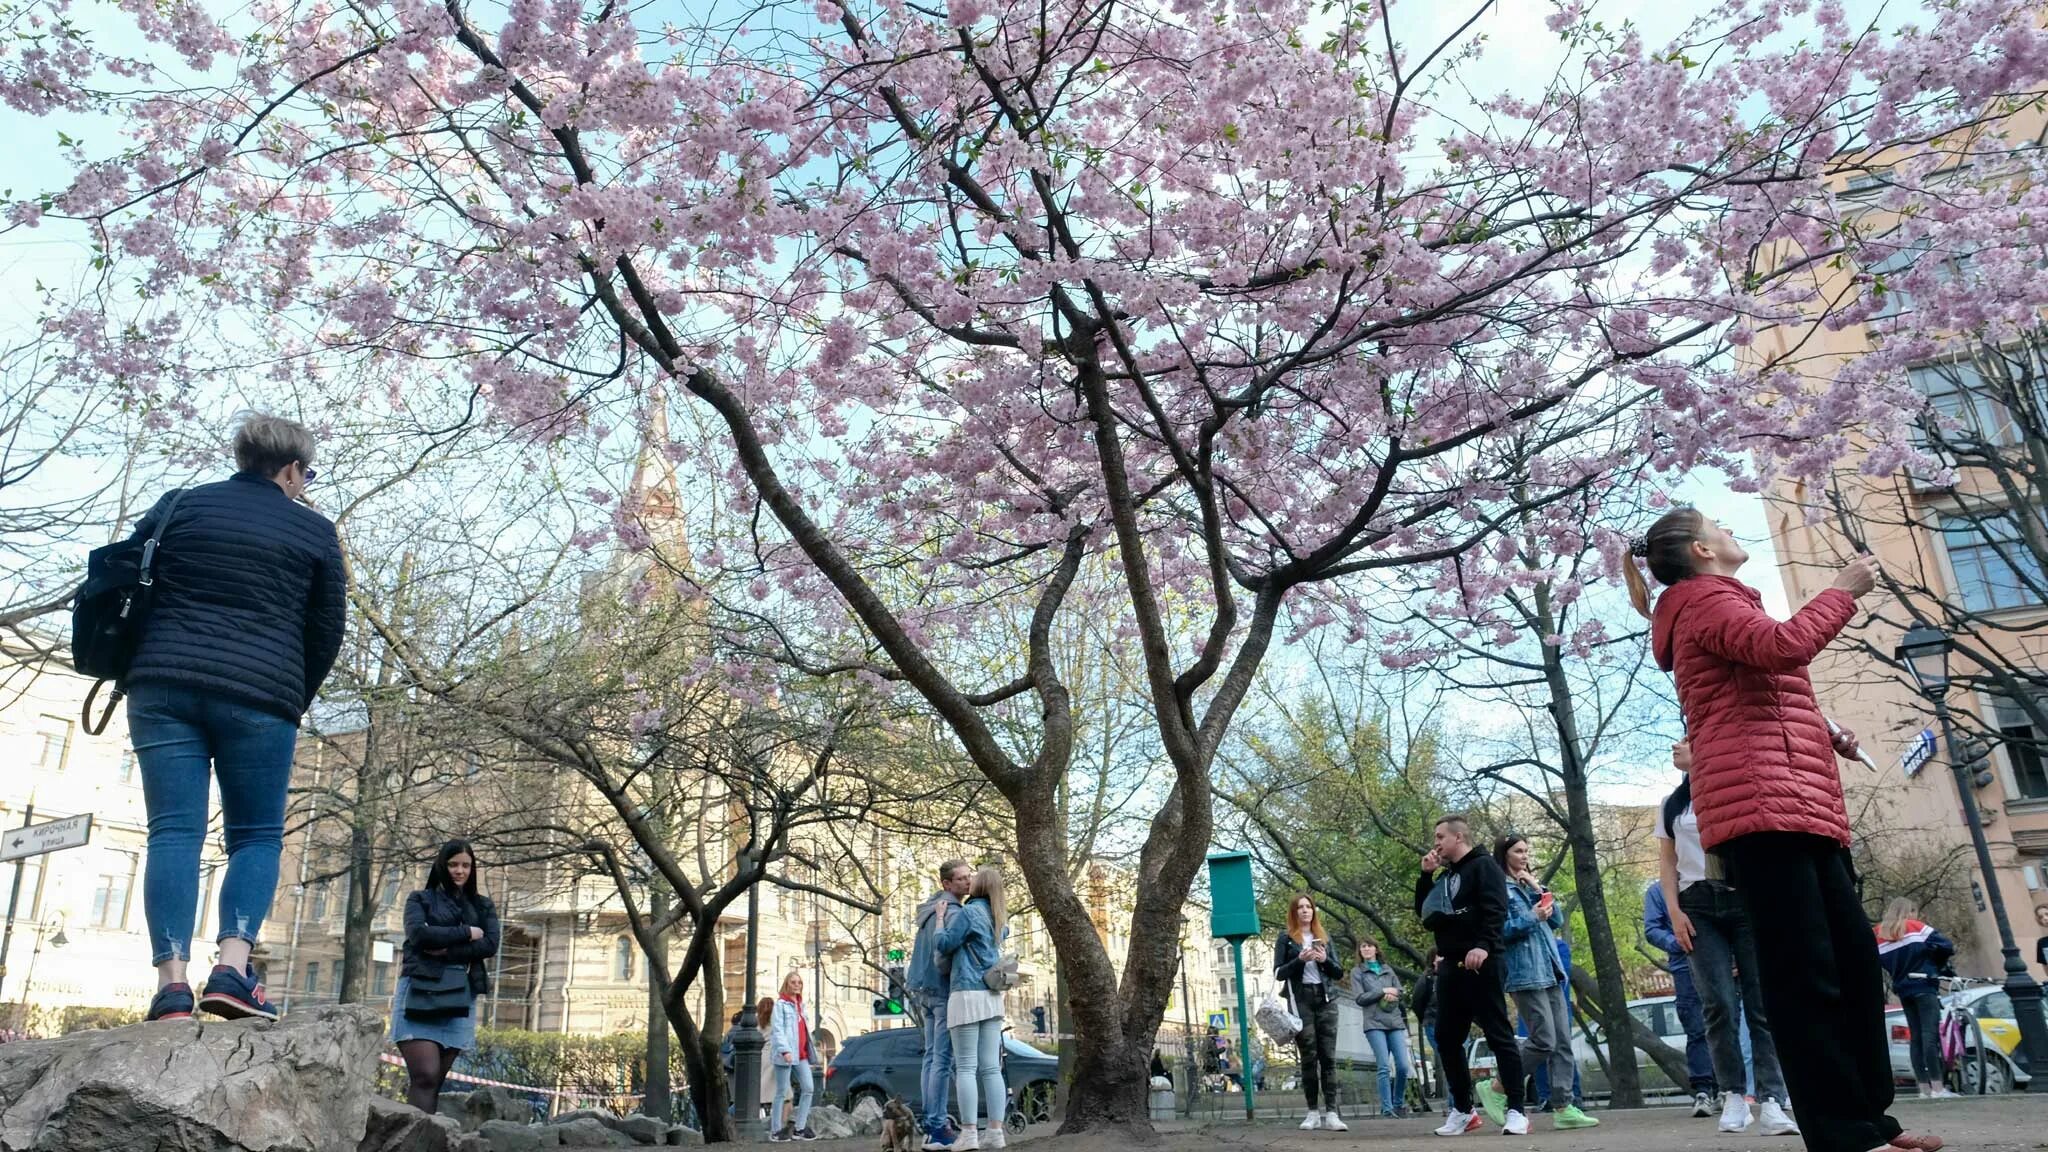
(1638, 585)
(1667, 547)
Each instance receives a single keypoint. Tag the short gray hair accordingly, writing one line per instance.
(265, 444)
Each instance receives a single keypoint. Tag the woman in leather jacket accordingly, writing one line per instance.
(448, 925)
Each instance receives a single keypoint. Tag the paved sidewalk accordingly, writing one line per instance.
(1989, 1124)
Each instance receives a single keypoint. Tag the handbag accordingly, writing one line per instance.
(440, 996)
(1002, 975)
(108, 612)
(1277, 1020)
(1437, 908)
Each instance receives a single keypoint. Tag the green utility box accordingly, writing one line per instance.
(1233, 913)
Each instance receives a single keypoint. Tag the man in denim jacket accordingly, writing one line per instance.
(930, 980)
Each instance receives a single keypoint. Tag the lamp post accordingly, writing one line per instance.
(1925, 651)
(747, 1038)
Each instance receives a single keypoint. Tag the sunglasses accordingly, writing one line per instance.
(311, 473)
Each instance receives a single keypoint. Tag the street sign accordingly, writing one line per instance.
(1219, 1019)
(53, 836)
(1918, 753)
(1233, 910)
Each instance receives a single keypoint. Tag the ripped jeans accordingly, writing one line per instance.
(182, 738)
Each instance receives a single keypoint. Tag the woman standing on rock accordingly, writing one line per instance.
(789, 1048)
(450, 930)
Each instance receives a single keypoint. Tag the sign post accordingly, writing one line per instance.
(1234, 915)
(33, 839)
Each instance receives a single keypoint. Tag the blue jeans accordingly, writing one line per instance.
(978, 1055)
(1390, 1055)
(784, 1073)
(181, 738)
(1699, 1060)
(937, 1079)
(1730, 986)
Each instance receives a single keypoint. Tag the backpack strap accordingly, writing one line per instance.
(106, 714)
(156, 538)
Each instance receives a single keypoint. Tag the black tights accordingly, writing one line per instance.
(426, 1068)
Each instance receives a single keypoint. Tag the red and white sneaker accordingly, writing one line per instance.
(234, 995)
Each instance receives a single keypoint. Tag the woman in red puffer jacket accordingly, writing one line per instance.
(1769, 801)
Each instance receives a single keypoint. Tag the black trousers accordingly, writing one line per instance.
(1317, 1044)
(1822, 986)
(1465, 998)
(1923, 1025)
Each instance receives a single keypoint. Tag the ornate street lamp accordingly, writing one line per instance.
(1925, 651)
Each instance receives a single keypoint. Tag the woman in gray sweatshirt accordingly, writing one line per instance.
(1377, 992)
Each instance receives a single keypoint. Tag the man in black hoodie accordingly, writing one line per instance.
(1469, 986)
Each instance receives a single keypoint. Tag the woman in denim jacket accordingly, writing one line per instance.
(1535, 976)
(973, 939)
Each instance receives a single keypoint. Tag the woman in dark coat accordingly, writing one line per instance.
(448, 924)
(245, 619)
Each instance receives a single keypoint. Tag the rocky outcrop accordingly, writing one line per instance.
(299, 1085)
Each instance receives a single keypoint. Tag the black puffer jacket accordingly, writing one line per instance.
(249, 597)
(437, 925)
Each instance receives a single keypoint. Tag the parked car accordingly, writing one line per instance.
(888, 1063)
(1657, 1015)
(2001, 1029)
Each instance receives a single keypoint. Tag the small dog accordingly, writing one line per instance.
(900, 1131)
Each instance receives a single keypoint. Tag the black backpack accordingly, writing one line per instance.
(108, 613)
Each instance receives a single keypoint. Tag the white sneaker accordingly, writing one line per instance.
(1312, 1121)
(992, 1136)
(1333, 1122)
(1941, 1092)
(1772, 1120)
(1702, 1105)
(1458, 1123)
(967, 1141)
(1517, 1125)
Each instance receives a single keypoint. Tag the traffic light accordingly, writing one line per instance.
(891, 1003)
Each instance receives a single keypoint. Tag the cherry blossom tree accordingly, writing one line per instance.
(1242, 299)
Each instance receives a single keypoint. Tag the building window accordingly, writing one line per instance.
(1971, 409)
(380, 978)
(110, 902)
(622, 959)
(1894, 300)
(1994, 568)
(389, 895)
(320, 900)
(334, 981)
(312, 977)
(53, 740)
(126, 773)
(2024, 749)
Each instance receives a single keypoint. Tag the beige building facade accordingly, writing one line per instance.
(1907, 806)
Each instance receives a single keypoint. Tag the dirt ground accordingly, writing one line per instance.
(1992, 1124)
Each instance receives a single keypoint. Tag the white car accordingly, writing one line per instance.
(1656, 1014)
(1996, 1022)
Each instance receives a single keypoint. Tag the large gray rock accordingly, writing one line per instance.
(494, 1103)
(300, 1085)
(832, 1124)
(396, 1127)
(589, 1132)
(682, 1135)
(867, 1117)
(505, 1136)
(642, 1129)
(604, 1116)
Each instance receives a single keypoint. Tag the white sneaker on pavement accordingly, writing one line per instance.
(1734, 1114)
(1517, 1125)
(967, 1141)
(1702, 1105)
(1333, 1122)
(1772, 1121)
(1312, 1121)
(993, 1137)
(1458, 1123)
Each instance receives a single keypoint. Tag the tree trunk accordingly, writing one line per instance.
(1627, 1088)
(360, 919)
(657, 1102)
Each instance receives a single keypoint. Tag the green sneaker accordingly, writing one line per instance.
(1570, 1117)
(1492, 1101)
